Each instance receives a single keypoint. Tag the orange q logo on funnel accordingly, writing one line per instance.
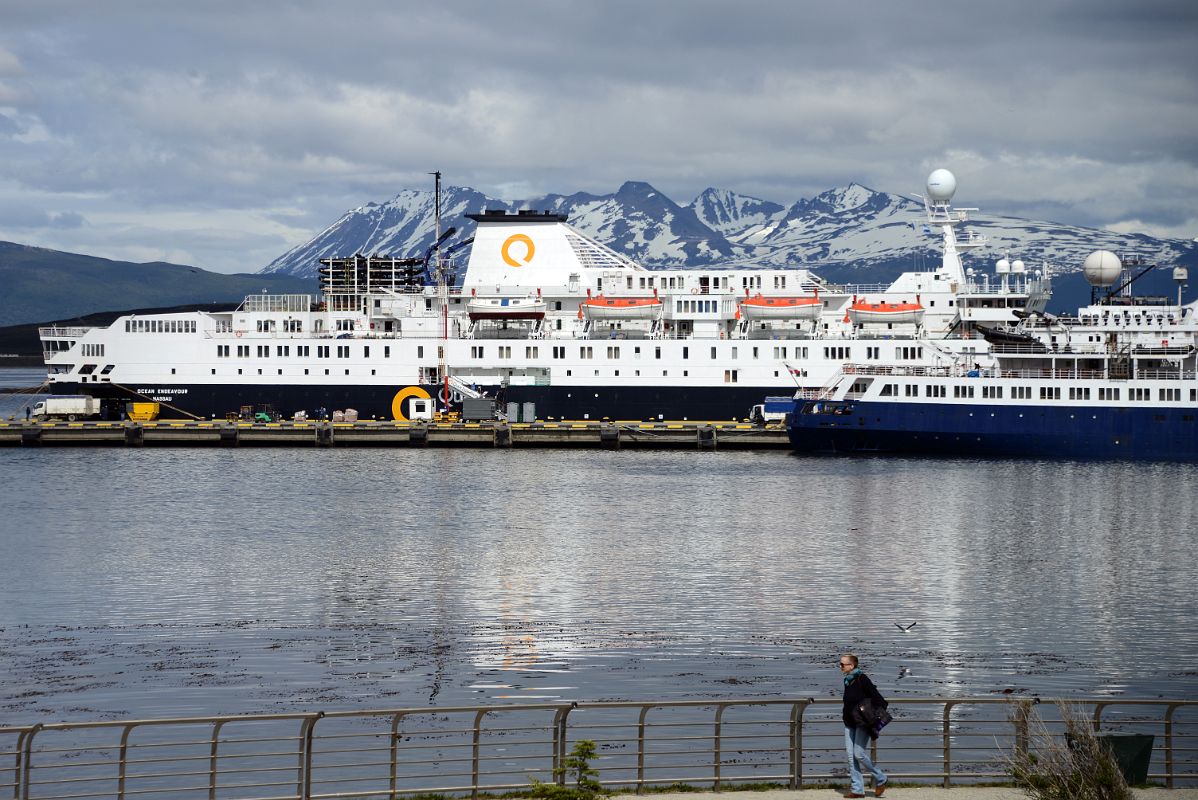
(517, 238)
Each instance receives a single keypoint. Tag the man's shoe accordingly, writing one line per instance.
(879, 790)
(854, 794)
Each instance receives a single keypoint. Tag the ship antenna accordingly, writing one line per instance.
(442, 289)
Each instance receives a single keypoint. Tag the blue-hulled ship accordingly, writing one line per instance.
(1118, 380)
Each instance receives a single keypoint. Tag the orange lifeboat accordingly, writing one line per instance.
(620, 308)
(761, 307)
(865, 313)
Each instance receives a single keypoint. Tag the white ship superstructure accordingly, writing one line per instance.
(548, 316)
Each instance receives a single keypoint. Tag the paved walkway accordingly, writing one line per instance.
(920, 793)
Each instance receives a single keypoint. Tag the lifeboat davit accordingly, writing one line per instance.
(864, 313)
(760, 307)
(506, 308)
(619, 308)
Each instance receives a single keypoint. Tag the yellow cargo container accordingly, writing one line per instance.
(142, 412)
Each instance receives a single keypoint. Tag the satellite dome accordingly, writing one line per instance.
(942, 184)
(1002, 267)
(1018, 267)
(1102, 268)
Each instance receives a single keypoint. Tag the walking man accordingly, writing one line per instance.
(858, 688)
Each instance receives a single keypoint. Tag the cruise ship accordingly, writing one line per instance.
(1117, 380)
(546, 318)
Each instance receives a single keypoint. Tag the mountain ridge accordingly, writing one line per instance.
(842, 232)
(45, 284)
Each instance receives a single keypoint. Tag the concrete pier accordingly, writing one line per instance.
(615, 435)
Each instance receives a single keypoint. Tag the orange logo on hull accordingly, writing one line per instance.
(397, 402)
(513, 239)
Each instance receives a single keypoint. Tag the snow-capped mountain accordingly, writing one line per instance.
(852, 233)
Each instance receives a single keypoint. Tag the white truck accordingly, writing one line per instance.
(772, 411)
(68, 406)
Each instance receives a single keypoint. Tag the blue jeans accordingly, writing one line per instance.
(856, 744)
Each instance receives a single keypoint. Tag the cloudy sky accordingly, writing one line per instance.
(221, 134)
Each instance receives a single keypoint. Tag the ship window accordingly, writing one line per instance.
(213, 372)
(686, 352)
(657, 354)
(387, 352)
(280, 372)
(366, 352)
(87, 369)
(107, 369)
(730, 376)
(887, 390)
(305, 372)
(713, 352)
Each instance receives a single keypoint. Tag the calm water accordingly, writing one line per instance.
(175, 582)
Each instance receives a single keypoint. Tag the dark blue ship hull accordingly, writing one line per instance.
(1152, 433)
(378, 402)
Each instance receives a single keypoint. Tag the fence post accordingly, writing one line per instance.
(121, 765)
(395, 737)
(1169, 746)
(716, 756)
(796, 742)
(25, 761)
(1023, 711)
(946, 759)
(640, 749)
(559, 742)
(212, 754)
(306, 732)
(477, 735)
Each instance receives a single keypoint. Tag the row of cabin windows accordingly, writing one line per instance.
(301, 351)
(831, 353)
(160, 326)
(730, 375)
(875, 353)
(93, 350)
(697, 306)
(1165, 395)
(716, 282)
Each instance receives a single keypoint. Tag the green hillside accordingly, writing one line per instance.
(41, 284)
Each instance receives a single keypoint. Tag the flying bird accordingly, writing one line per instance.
(905, 628)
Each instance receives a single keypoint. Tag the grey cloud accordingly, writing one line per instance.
(302, 110)
(67, 219)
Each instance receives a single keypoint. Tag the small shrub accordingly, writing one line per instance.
(576, 766)
(1076, 766)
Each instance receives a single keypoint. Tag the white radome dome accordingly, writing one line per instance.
(1018, 267)
(942, 185)
(1102, 268)
(1002, 267)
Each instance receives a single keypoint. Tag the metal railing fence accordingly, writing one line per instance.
(469, 750)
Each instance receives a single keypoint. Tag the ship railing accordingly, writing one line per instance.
(276, 303)
(1166, 374)
(62, 333)
(714, 743)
